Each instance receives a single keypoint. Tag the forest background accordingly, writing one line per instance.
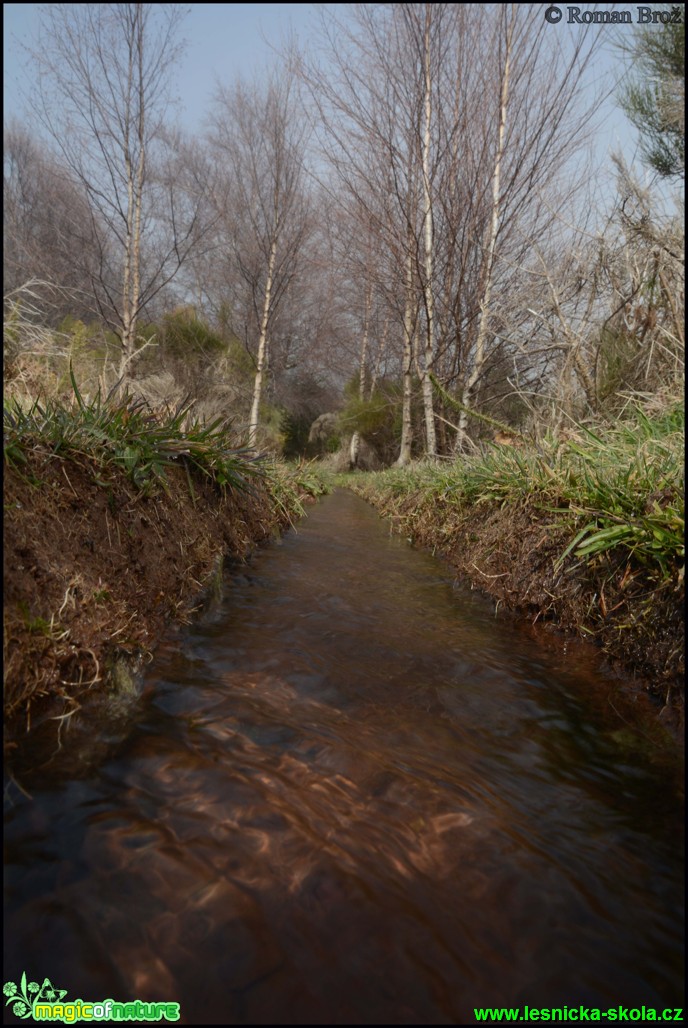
(409, 220)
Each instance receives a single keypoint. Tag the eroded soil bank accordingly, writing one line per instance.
(512, 553)
(93, 570)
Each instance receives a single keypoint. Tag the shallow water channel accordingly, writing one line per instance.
(350, 795)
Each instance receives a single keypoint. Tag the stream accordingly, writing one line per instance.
(349, 794)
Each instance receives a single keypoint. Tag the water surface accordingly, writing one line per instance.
(352, 796)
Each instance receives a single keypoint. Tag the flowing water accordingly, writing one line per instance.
(352, 796)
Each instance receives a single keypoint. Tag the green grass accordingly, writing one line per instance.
(619, 489)
(289, 482)
(123, 433)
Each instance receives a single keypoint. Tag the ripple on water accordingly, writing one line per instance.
(352, 796)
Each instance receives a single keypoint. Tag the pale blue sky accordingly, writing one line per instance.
(223, 39)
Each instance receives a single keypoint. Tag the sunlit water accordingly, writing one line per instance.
(351, 796)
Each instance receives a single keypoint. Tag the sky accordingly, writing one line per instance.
(221, 40)
(225, 39)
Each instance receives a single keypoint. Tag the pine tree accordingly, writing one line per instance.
(655, 99)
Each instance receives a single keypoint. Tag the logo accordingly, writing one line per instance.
(640, 15)
(27, 995)
(46, 1003)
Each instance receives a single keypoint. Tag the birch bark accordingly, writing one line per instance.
(479, 358)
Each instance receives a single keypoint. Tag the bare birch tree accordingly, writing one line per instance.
(509, 16)
(46, 220)
(259, 136)
(427, 37)
(103, 96)
(533, 120)
(452, 128)
(373, 107)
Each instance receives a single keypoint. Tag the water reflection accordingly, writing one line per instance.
(353, 797)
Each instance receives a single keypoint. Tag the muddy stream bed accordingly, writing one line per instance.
(351, 795)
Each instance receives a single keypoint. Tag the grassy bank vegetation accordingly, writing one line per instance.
(117, 518)
(181, 364)
(586, 530)
(123, 433)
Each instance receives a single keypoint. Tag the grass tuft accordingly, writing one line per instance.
(621, 489)
(126, 434)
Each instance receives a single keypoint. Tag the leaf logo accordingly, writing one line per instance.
(22, 997)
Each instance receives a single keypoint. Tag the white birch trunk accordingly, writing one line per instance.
(127, 341)
(431, 439)
(479, 358)
(131, 286)
(356, 437)
(262, 348)
(406, 422)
